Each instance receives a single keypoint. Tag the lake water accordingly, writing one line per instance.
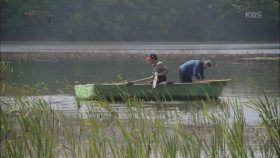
(100, 62)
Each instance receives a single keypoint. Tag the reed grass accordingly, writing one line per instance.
(30, 127)
(34, 129)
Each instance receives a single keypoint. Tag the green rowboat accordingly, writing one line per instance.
(163, 91)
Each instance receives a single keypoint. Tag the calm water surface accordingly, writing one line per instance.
(263, 71)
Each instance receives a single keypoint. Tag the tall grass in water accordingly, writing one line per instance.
(269, 111)
(5, 77)
(31, 128)
(134, 55)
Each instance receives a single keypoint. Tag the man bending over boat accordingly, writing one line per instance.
(159, 68)
(193, 68)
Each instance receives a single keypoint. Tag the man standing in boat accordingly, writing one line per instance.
(159, 68)
(193, 68)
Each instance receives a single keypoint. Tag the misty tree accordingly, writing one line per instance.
(141, 20)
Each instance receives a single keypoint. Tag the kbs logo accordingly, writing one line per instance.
(253, 15)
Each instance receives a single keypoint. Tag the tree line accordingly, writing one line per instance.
(142, 20)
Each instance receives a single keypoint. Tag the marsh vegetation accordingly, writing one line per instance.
(31, 127)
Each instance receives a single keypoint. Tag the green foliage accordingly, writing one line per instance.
(145, 20)
(30, 127)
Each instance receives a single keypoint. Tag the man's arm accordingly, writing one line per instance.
(202, 74)
(197, 72)
(197, 76)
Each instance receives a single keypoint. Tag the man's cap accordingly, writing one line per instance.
(152, 56)
(208, 63)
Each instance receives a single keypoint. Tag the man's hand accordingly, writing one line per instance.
(201, 80)
(152, 77)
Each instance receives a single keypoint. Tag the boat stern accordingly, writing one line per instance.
(84, 91)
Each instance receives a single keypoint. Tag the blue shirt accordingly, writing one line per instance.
(193, 68)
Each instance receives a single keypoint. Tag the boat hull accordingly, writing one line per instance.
(176, 91)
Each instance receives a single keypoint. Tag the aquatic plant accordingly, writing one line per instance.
(32, 128)
(135, 55)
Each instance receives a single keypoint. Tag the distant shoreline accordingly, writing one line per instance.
(85, 42)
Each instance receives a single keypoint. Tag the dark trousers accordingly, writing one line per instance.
(184, 78)
(160, 79)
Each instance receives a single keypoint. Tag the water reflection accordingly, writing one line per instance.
(252, 68)
(66, 104)
(249, 76)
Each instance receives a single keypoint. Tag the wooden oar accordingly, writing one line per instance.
(155, 82)
(213, 80)
(144, 79)
(132, 82)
